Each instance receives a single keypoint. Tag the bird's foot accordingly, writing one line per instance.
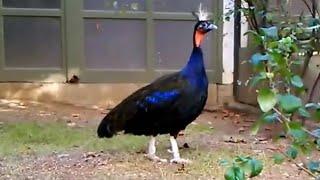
(180, 161)
(155, 158)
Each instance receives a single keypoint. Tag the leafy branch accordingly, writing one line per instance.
(284, 45)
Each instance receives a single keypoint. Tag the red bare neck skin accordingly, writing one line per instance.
(198, 38)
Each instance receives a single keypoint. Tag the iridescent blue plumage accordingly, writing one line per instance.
(195, 70)
(167, 105)
(158, 97)
(162, 96)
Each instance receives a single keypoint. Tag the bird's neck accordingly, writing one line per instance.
(195, 65)
(197, 38)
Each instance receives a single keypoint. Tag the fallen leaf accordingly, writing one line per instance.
(267, 129)
(226, 113)
(75, 115)
(232, 139)
(91, 154)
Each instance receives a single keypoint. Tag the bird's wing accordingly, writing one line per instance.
(156, 98)
(162, 93)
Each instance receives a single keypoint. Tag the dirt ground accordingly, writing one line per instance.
(230, 134)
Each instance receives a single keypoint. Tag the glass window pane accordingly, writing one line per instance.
(55, 4)
(174, 44)
(32, 42)
(115, 44)
(120, 5)
(181, 5)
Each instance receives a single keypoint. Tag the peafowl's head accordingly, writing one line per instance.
(203, 25)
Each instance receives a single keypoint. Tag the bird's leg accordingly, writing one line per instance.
(181, 135)
(175, 152)
(151, 154)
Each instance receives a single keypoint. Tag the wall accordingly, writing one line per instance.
(92, 95)
(114, 81)
(228, 45)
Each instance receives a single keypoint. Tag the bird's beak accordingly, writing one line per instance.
(212, 26)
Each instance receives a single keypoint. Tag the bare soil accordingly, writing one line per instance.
(231, 134)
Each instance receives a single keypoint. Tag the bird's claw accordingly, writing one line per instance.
(155, 158)
(180, 161)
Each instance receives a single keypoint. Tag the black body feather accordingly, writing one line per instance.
(165, 106)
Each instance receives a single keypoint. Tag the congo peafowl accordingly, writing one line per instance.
(167, 105)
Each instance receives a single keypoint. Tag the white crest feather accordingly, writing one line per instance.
(203, 14)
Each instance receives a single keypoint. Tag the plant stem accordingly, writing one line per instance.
(308, 6)
(280, 113)
(298, 165)
(306, 63)
(288, 120)
(310, 133)
(313, 89)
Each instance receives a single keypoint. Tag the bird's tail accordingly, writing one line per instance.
(105, 128)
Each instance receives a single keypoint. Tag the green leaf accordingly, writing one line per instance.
(297, 132)
(258, 57)
(305, 146)
(296, 81)
(292, 152)
(256, 127)
(271, 32)
(278, 158)
(269, 16)
(313, 22)
(318, 143)
(289, 103)
(312, 106)
(266, 99)
(259, 68)
(317, 115)
(241, 159)
(266, 118)
(278, 58)
(314, 166)
(316, 133)
(234, 173)
(270, 118)
(256, 167)
(303, 112)
(257, 39)
(300, 91)
(256, 79)
(223, 162)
